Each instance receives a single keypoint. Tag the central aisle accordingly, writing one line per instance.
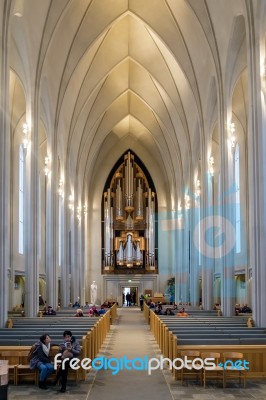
(129, 336)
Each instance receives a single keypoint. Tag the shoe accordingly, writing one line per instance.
(63, 390)
(42, 385)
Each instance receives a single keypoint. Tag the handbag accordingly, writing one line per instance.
(66, 354)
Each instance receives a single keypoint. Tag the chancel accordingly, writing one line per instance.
(130, 226)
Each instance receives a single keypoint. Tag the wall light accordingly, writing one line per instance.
(211, 164)
(25, 139)
(198, 188)
(263, 70)
(61, 188)
(85, 209)
(79, 213)
(18, 8)
(46, 165)
(71, 202)
(232, 130)
(187, 202)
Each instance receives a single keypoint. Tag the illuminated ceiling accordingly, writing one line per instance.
(117, 74)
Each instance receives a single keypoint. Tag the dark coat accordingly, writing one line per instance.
(39, 356)
(75, 347)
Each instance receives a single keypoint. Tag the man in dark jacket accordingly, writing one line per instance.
(41, 360)
(69, 348)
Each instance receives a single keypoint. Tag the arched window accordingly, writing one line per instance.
(21, 201)
(237, 199)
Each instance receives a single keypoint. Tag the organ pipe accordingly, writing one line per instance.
(129, 206)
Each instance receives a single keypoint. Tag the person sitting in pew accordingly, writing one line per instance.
(168, 311)
(79, 313)
(50, 311)
(182, 313)
(93, 312)
(69, 348)
(246, 309)
(102, 310)
(151, 305)
(40, 359)
(159, 309)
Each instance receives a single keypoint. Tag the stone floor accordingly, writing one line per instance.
(130, 336)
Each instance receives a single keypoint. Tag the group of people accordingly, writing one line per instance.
(69, 348)
(131, 299)
(245, 309)
(92, 311)
(158, 309)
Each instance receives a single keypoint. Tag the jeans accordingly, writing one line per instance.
(45, 371)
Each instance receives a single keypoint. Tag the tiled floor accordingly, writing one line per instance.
(130, 336)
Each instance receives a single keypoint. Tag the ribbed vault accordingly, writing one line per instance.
(111, 74)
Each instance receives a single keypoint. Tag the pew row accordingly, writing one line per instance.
(91, 332)
(175, 336)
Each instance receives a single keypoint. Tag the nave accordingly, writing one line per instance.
(130, 336)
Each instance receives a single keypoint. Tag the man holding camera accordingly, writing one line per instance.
(69, 348)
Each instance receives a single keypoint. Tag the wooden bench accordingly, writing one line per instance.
(19, 365)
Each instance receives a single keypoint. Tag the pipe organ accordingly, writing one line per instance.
(129, 220)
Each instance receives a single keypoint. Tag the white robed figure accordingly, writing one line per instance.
(93, 292)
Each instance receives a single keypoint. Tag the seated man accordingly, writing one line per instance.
(152, 304)
(159, 309)
(102, 310)
(246, 309)
(168, 311)
(49, 311)
(182, 313)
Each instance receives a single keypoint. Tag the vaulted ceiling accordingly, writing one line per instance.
(116, 74)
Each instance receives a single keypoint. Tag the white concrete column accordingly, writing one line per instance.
(194, 256)
(206, 244)
(65, 293)
(4, 164)
(257, 168)
(227, 212)
(185, 266)
(51, 215)
(179, 259)
(85, 239)
(71, 255)
(82, 258)
(76, 266)
(31, 210)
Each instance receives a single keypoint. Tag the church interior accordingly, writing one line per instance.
(126, 133)
(133, 142)
(133, 152)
